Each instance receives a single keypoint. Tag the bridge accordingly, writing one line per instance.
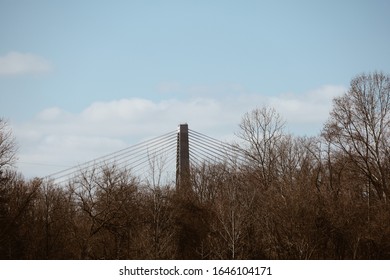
(167, 159)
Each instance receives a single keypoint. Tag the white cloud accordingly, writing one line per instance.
(306, 113)
(125, 109)
(16, 63)
(60, 138)
(52, 114)
(310, 107)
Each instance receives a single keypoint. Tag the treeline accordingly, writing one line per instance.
(284, 197)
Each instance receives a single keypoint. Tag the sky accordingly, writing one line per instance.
(80, 79)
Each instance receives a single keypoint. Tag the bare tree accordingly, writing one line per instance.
(17, 200)
(359, 126)
(157, 211)
(107, 197)
(262, 131)
(8, 146)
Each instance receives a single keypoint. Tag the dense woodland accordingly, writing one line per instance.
(323, 197)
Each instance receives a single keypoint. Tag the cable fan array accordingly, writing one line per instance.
(161, 153)
(210, 151)
(139, 159)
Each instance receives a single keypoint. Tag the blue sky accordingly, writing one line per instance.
(82, 78)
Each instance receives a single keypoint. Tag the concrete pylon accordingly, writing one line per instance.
(183, 160)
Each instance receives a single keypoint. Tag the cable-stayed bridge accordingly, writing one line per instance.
(167, 158)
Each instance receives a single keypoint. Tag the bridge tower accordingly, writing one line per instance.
(183, 160)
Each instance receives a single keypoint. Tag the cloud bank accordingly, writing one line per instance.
(16, 63)
(57, 139)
